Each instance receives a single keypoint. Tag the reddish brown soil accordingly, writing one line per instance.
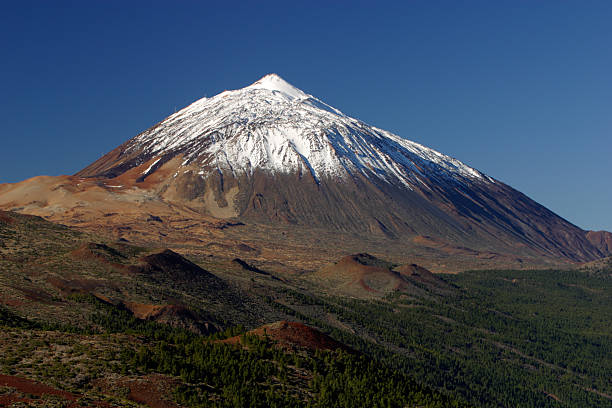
(413, 270)
(5, 218)
(25, 386)
(8, 301)
(174, 315)
(35, 295)
(350, 266)
(144, 311)
(361, 275)
(78, 285)
(148, 392)
(7, 400)
(417, 273)
(99, 253)
(151, 390)
(292, 335)
(366, 276)
(86, 252)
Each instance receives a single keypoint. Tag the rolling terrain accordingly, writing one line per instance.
(89, 320)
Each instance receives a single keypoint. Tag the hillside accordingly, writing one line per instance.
(365, 276)
(86, 319)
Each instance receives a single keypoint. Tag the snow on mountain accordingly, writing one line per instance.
(250, 154)
(273, 82)
(273, 126)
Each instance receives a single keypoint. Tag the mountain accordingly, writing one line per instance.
(274, 127)
(269, 152)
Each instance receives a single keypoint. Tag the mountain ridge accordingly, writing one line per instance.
(270, 153)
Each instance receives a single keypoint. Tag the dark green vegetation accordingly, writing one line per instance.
(500, 338)
(261, 375)
(506, 338)
(212, 374)
(76, 313)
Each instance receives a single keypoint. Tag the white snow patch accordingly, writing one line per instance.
(150, 167)
(272, 125)
(273, 82)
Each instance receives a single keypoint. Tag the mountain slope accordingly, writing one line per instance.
(272, 153)
(273, 126)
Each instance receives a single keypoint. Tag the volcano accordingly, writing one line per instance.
(271, 153)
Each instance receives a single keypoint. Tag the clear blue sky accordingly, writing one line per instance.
(521, 90)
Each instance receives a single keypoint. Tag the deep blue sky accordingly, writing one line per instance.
(521, 90)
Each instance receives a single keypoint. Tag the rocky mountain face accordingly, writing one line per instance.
(601, 240)
(272, 153)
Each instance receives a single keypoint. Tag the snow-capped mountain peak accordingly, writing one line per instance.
(270, 152)
(273, 82)
(273, 126)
